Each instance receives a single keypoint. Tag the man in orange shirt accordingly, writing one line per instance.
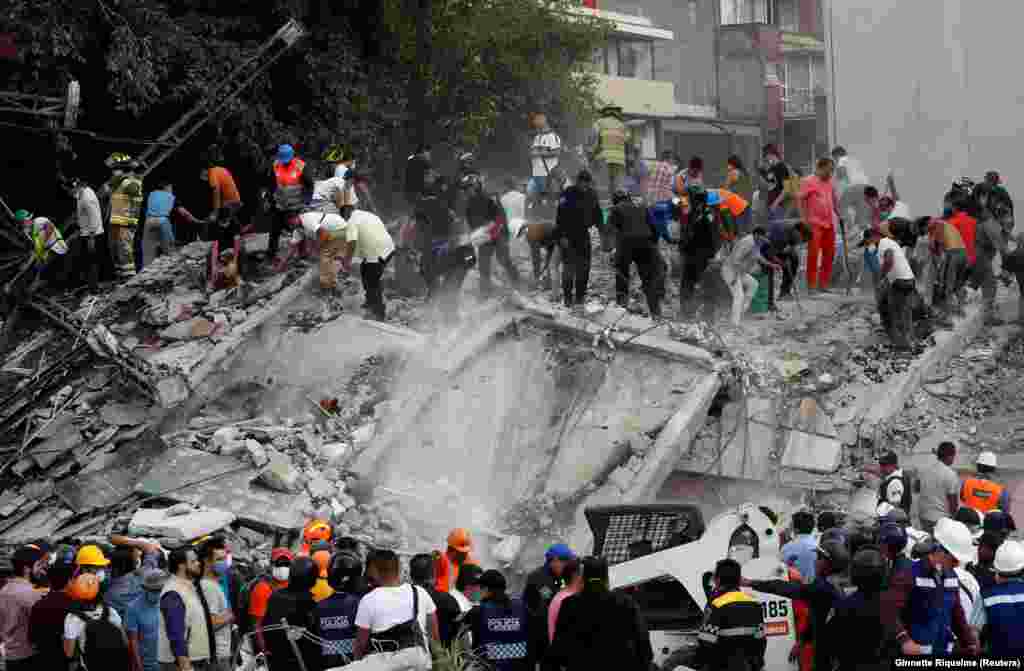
(281, 561)
(225, 205)
(817, 209)
(968, 228)
(947, 244)
(447, 565)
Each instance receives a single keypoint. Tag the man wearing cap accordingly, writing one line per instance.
(16, 601)
(921, 610)
(800, 552)
(142, 621)
(467, 589)
(939, 493)
(981, 492)
(280, 561)
(999, 614)
(448, 563)
(500, 627)
(892, 540)
(894, 492)
(541, 587)
(982, 570)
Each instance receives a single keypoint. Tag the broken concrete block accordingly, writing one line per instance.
(237, 316)
(320, 488)
(334, 453)
(311, 442)
(39, 490)
(171, 391)
(51, 451)
(813, 444)
(190, 523)
(257, 453)
(124, 328)
(10, 502)
(280, 475)
(124, 414)
(622, 477)
(507, 550)
(365, 433)
(233, 448)
(222, 437)
(197, 327)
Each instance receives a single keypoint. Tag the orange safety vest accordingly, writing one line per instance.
(982, 495)
(289, 174)
(733, 202)
(802, 619)
(446, 572)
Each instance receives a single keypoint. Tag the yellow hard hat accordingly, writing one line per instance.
(91, 555)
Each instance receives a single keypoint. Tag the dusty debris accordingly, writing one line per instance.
(123, 414)
(181, 522)
(279, 473)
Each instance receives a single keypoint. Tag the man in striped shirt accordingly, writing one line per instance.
(659, 194)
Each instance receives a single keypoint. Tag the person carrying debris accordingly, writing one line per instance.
(225, 204)
(600, 629)
(47, 241)
(636, 244)
(446, 254)
(578, 211)
(500, 628)
(329, 231)
(999, 614)
(291, 184)
(981, 492)
(896, 290)
(366, 238)
(542, 585)
(950, 251)
(738, 268)
(448, 564)
(487, 220)
(130, 559)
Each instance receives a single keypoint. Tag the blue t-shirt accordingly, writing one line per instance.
(143, 618)
(801, 553)
(160, 204)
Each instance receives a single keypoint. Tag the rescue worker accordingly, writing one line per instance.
(853, 639)
(47, 241)
(637, 243)
(578, 211)
(892, 539)
(321, 556)
(485, 214)
(330, 231)
(736, 216)
(89, 217)
(293, 605)
(334, 618)
(699, 240)
(610, 135)
(800, 552)
(660, 194)
(500, 628)
(990, 242)
(600, 629)
(821, 595)
(921, 610)
(738, 269)
(1000, 523)
(981, 492)
(542, 584)
(732, 635)
(950, 252)
(982, 569)
(894, 492)
(291, 184)
(421, 574)
(367, 238)
(999, 615)
(448, 564)
(225, 205)
(316, 530)
(157, 231)
(125, 211)
(445, 253)
(896, 290)
(956, 539)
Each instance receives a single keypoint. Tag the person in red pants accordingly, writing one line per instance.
(817, 208)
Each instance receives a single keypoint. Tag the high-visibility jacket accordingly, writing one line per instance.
(930, 608)
(1004, 612)
(611, 140)
(288, 176)
(734, 203)
(126, 202)
(446, 572)
(982, 495)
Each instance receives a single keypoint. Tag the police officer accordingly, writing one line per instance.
(500, 627)
(578, 211)
(732, 634)
(894, 491)
(981, 492)
(999, 614)
(853, 638)
(821, 595)
(921, 609)
(542, 584)
(334, 619)
(637, 243)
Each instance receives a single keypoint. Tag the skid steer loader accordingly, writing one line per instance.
(662, 555)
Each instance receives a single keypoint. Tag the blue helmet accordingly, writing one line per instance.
(285, 153)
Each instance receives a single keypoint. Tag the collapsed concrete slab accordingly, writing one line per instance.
(813, 444)
(181, 522)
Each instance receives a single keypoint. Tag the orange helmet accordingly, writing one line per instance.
(322, 559)
(85, 587)
(460, 541)
(316, 530)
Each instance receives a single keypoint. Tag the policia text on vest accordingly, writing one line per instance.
(982, 662)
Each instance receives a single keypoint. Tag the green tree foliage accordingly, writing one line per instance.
(143, 63)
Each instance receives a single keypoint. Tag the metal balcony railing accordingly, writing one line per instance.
(798, 102)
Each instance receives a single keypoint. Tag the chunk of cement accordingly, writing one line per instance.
(334, 453)
(280, 475)
(195, 524)
(123, 414)
(257, 453)
(364, 434)
(10, 502)
(223, 436)
(320, 488)
(171, 391)
(51, 451)
(197, 327)
(39, 490)
(813, 443)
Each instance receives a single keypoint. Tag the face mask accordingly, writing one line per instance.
(227, 561)
(281, 573)
(152, 598)
(101, 576)
(220, 567)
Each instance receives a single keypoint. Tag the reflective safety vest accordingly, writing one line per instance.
(126, 202)
(1004, 615)
(446, 572)
(982, 495)
(288, 176)
(611, 136)
(503, 637)
(930, 608)
(335, 619)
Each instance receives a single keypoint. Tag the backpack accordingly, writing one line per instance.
(105, 644)
(244, 595)
(408, 634)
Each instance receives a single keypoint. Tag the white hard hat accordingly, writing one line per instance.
(883, 509)
(1009, 558)
(987, 458)
(956, 538)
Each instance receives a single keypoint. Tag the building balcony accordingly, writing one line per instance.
(800, 103)
(796, 42)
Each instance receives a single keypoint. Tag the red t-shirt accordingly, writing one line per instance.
(968, 227)
(260, 596)
(818, 201)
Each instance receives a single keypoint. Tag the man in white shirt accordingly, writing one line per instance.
(738, 269)
(367, 238)
(328, 229)
(544, 153)
(387, 615)
(90, 227)
(896, 291)
(333, 195)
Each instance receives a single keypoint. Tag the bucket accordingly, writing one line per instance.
(760, 303)
(538, 231)
(607, 235)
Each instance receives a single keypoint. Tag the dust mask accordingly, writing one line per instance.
(282, 573)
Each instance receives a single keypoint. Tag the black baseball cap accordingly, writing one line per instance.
(493, 580)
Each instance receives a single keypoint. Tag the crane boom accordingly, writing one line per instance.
(222, 94)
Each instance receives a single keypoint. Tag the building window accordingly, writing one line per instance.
(737, 12)
(636, 59)
(600, 60)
